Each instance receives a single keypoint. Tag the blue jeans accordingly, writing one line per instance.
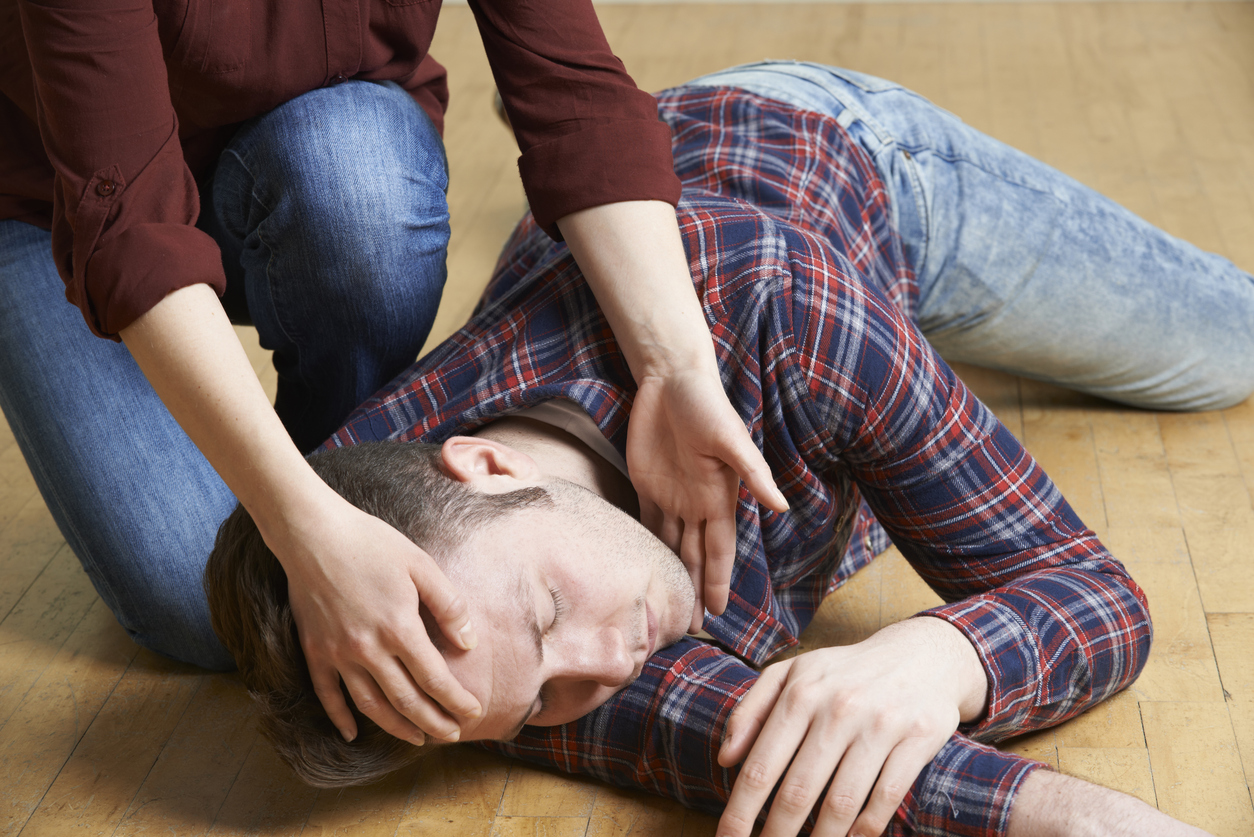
(332, 219)
(1023, 269)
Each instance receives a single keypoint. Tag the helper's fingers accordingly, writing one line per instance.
(326, 683)
(750, 715)
(446, 605)
(850, 788)
(720, 556)
(903, 766)
(428, 670)
(651, 518)
(371, 702)
(747, 461)
(690, 552)
(403, 705)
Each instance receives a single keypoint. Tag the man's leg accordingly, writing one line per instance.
(132, 495)
(1022, 268)
(333, 222)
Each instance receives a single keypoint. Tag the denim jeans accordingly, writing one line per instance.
(331, 214)
(1023, 269)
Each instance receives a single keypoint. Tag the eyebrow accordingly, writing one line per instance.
(524, 593)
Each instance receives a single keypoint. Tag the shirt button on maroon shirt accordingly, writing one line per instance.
(105, 188)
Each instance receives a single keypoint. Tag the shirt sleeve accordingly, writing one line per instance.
(588, 135)
(1056, 620)
(124, 200)
(662, 734)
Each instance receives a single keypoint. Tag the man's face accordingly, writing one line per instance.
(568, 603)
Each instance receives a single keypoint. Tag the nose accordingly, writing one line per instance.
(606, 659)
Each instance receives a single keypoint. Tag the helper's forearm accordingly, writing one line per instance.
(191, 356)
(633, 257)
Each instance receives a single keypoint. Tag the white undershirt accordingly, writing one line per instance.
(565, 414)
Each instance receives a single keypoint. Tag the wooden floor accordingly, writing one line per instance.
(1151, 103)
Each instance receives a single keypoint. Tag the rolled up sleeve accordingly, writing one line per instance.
(124, 201)
(588, 135)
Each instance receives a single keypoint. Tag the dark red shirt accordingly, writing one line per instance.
(111, 110)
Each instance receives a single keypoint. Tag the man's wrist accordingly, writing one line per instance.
(971, 682)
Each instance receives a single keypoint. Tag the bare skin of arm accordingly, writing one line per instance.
(687, 449)
(355, 581)
(1049, 804)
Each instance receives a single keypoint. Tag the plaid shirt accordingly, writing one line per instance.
(811, 306)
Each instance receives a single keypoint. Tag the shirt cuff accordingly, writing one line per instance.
(606, 163)
(966, 791)
(138, 268)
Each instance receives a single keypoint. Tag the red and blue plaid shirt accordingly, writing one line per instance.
(811, 306)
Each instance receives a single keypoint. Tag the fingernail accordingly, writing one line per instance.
(348, 736)
(468, 638)
(418, 739)
(474, 713)
(453, 736)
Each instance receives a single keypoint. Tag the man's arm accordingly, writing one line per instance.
(1052, 805)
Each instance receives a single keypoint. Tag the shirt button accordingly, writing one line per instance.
(105, 188)
(339, 77)
(867, 543)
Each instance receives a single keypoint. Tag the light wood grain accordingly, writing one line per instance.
(1151, 103)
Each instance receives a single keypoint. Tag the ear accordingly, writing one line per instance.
(488, 465)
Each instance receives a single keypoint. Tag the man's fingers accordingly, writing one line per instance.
(780, 738)
(902, 768)
(446, 605)
(750, 715)
(720, 556)
(326, 683)
(850, 788)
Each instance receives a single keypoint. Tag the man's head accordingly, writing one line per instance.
(568, 595)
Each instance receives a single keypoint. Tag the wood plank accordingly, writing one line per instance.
(619, 813)
(199, 763)
(1242, 715)
(1196, 767)
(38, 626)
(265, 798)
(1181, 666)
(1136, 480)
(27, 545)
(109, 765)
(42, 733)
(1123, 769)
(539, 827)
(1115, 723)
(370, 811)
(532, 792)
(458, 791)
(1232, 636)
(1058, 433)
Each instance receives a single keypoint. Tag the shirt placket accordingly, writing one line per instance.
(341, 21)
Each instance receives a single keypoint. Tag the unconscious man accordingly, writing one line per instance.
(827, 217)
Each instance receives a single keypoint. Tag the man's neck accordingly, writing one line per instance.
(561, 455)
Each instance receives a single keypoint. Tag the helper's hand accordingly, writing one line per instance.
(869, 717)
(355, 585)
(687, 452)
(354, 582)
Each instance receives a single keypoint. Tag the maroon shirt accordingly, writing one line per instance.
(110, 110)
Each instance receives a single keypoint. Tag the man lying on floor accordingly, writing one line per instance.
(511, 474)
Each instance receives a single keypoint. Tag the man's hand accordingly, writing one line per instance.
(869, 717)
(687, 452)
(355, 585)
